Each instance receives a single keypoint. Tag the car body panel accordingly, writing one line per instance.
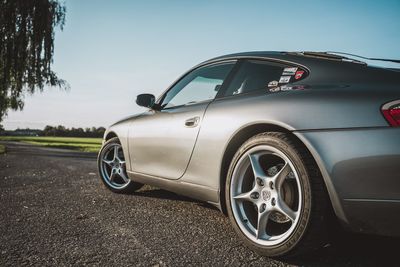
(360, 166)
(360, 161)
(160, 142)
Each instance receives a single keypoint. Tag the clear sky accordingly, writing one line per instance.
(110, 51)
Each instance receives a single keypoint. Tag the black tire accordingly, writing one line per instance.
(312, 227)
(129, 187)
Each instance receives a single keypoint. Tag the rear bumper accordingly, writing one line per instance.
(361, 168)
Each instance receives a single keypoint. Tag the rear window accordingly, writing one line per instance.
(255, 75)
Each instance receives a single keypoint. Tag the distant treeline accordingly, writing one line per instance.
(58, 131)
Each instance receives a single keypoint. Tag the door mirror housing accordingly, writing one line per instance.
(146, 100)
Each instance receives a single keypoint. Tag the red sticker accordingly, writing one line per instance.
(298, 74)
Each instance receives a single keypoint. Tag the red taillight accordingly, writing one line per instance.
(391, 111)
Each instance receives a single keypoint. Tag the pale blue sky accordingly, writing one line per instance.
(110, 51)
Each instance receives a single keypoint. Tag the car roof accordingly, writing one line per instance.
(301, 57)
(310, 57)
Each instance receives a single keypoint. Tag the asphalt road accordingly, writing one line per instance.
(55, 211)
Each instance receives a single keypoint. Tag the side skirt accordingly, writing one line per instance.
(180, 187)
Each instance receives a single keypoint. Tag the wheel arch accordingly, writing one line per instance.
(334, 198)
(110, 135)
(247, 132)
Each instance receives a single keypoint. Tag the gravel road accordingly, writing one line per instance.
(55, 211)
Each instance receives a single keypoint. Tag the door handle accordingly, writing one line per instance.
(192, 122)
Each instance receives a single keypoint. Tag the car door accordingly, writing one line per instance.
(161, 141)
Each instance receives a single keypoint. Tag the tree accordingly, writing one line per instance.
(60, 130)
(27, 30)
(49, 131)
(73, 132)
(100, 131)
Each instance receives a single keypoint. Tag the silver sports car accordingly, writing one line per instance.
(285, 143)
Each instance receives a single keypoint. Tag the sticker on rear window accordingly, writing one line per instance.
(289, 71)
(284, 79)
(286, 87)
(273, 84)
(299, 74)
(275, 89)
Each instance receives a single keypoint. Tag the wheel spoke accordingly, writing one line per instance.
(283, 208)
(124, 177)
(112, 175)
(281, 176)
(116, 152)
(244, 197)
(262, 221)
(108, 162)
(255, 165)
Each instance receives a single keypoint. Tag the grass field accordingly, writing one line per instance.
(2, 149)
(77, 143)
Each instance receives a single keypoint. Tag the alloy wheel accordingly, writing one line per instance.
(113, 167)
(266, 195)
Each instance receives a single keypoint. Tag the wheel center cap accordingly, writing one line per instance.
(266, 195)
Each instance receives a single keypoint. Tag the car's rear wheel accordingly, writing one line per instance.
(112, 168)
(276, 198)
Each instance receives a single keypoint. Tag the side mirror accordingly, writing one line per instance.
(146, 100)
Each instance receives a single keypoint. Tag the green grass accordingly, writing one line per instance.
(2, 149)
(76, 143)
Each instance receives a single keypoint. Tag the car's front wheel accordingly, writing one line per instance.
(112, 168)
(276, 198)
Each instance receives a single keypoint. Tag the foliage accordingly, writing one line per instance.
(26, 49)
(76, 132)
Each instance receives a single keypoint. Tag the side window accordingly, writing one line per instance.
(256, 75)
(199, 85)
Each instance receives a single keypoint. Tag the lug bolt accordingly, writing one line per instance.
(255, 195)
(262, 208)
(271, 185)
(260, 182)
(273, 202)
